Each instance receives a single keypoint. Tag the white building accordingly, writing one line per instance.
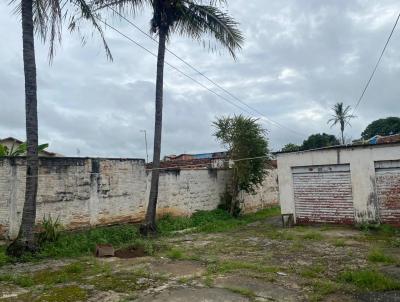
(341, 184)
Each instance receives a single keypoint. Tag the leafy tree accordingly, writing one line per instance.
(19, 151)
(192, 18)
(383, 126)
(45, 18)
(245, 139)
(291, 148)
(318, 140)
(342, 116)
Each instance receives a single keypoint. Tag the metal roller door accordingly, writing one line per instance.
(323, 194)
(387, 176)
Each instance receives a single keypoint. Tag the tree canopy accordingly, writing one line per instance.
(383, 126)
(290, 147)
(318, 140)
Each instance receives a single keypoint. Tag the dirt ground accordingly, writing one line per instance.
(258, 262)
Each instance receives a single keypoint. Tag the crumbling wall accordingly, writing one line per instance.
(86, 192)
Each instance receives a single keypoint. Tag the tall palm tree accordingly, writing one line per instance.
(191, 18)
(342, 116)
(44, 17)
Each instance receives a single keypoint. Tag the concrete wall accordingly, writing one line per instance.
(362, 161)
(86, 191)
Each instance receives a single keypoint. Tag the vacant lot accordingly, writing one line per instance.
(253, 260)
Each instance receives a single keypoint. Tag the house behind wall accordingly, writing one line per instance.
(85, 192)
(343, 184)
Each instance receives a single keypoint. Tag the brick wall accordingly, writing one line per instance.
(87, 191)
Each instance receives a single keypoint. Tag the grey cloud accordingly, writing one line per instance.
(300, 57)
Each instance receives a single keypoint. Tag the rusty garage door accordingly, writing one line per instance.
(323, 194)
(387, 175)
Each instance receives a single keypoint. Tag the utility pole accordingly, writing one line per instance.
(145, 141)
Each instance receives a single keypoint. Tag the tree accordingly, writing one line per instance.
(341, 116)
(318, 140)
(291, 148)
(19, 151)
(247, 148)
(192, 18)
(45, 18)
(383, 126)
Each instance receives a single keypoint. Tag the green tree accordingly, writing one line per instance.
(342, 116)
(383, 126)
(318, 140)
(191, 18)
(19, 151)
(247, 148)
(45, 18)
(291, 148)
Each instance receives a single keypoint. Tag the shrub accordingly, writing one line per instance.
(51, 229)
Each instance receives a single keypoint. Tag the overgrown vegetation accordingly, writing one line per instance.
(81, 243)
(245, 140)
(370, 280)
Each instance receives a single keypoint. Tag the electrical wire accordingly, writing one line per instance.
(206, 77)
(376, 65)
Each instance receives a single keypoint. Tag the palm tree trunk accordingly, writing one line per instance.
(149, 225)
(25, 240)
(342, 131)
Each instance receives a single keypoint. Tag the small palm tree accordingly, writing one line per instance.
(191, 18)
(45, 18)
(341, 116)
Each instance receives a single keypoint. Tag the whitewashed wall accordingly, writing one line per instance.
(362, 161)
(87, 191)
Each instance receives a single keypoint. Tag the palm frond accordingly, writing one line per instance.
(196, 20)
(85, 11)
(123, 6)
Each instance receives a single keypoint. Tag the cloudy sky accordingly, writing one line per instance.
(299, 58)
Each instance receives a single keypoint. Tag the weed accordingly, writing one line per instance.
(242, 291)
(377, 255)
(64, 294)
(50, 229)
(370, 280)
(176, 254)
(313, 271)
(322, 288)
(339, 243)
(312, 235)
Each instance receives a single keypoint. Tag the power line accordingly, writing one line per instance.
(203, 75)
(376, 65)
(172, 66)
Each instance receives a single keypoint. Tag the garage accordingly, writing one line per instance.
(387, 177)
(323, 194)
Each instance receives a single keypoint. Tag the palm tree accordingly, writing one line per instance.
(191, 18)
(45, 17)
(341, 116)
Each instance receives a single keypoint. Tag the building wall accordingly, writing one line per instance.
(362, 169)
(85, 192)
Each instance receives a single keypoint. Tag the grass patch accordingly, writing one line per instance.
(339, 242)
(122, 282)
(377, 255)
(323, 288)
(312, 235)
(176, 254)
(211, 221)
(370, 280)
(70, 293)
(83, 243)
(242, 291)
(312, 271)
(229, 266)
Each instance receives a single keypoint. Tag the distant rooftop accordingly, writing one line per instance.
(12, 141)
